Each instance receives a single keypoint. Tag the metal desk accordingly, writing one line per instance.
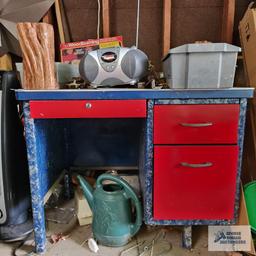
(49, 142)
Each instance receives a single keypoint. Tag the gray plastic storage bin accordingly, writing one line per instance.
(208, 65)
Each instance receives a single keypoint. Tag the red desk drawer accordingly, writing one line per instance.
(196, 124)
(88, 109)
(185, 191)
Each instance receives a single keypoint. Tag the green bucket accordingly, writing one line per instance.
(250, 200)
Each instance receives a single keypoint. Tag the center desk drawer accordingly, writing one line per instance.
(196, 124)
(88, 109)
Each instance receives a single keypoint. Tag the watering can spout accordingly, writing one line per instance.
(87, 190)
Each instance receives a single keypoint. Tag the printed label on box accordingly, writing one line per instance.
(72, 53)
(229, 238)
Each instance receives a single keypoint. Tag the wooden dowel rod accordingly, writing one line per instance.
(59, 21)
(167, 5)
(105, 18)
(228, 21)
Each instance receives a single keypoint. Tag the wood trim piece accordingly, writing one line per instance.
(250, 143)
(59, 21)
(105, 18)
(53, 187)
(65, 24)
(167, 5)
(228, 21)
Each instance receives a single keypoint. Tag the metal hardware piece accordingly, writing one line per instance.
(207, 164)
(88, 105)
(196, 125)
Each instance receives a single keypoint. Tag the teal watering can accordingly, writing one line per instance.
(112, 211)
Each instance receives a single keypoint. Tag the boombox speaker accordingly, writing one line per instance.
(114, 66)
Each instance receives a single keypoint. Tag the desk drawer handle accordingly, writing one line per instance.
(207, 164)
(88, 105)
(196, 125)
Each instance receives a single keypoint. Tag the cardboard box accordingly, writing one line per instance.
(84, 213)
(72, 53)
(247, 30)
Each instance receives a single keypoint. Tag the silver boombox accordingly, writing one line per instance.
(114, 66)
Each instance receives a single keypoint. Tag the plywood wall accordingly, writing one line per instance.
(192, 20)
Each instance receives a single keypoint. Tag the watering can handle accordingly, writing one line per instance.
(131, 194)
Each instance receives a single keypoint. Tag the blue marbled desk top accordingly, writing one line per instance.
(100, 94)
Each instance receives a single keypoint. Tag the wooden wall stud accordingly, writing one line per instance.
(167, 5)
(228, 21)
(105, 18)
(59, 21)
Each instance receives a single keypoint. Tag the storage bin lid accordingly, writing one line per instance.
(205, 47)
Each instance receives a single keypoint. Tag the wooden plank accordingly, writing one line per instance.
(65, 24)
(105, 18)
(59, 21)
(167, 5)
(250, 133)
(228, 21)
(53, 187)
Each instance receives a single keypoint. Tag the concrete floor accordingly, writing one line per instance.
(75, 244)
(169, 242)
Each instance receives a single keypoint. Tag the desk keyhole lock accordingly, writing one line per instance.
(88, 105)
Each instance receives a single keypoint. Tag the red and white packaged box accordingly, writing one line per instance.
(72, 53)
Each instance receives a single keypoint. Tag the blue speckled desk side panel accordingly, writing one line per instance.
(147, 168)
(47, 157)
(52, 150)
(241, 132)
(37, 198)
(146, 162)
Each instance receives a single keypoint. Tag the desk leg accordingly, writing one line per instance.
(187, 237)
(35, 182)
